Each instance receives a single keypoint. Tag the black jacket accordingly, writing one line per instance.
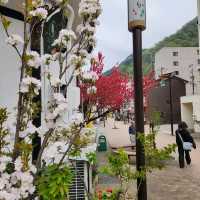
(185, 136)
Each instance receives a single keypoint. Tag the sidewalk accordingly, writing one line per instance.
(171, 183)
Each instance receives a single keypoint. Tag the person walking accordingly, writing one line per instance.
(132, 132)
(185, 142)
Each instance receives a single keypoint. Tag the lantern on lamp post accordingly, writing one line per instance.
(136, 14)
(136, 24)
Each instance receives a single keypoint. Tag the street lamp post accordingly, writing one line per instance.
(171, 106)
(136, 24)
(169, 77)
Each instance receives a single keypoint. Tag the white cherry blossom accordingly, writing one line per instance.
(47, 59)
(14, 40)
(27, 82)
(90, 76)
(64, 38)
(34, 59)
(41, 13)
(91, 90)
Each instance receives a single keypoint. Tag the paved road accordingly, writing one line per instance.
(171, 183)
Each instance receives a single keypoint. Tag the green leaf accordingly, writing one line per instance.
(6, 23)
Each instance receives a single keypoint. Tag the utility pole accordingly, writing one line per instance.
(192, 79)
(136, 24)
(168, 77)
(171, 106)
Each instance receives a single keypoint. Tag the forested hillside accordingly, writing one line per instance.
(187, 36)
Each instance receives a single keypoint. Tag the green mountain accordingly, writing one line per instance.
(187, 36)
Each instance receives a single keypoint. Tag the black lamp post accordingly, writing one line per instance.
(136, 24)
(169, 77)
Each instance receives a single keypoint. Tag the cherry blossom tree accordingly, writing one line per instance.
(19, 178)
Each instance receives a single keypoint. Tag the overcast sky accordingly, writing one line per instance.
(164, 17)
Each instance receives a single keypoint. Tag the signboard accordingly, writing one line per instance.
(136, 14)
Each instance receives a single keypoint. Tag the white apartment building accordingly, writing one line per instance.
(185, 60)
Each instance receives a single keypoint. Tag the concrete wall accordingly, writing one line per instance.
(15, 5)
(190, 111)
(187, 59)
(186, 114)
(9, 68)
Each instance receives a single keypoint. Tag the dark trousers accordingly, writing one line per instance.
(181, 153)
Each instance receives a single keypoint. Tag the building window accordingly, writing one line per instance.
(52, 29)
(175, 63)
(175, 53)
(198, 61)
(197, 51)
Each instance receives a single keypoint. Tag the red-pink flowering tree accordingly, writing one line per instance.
(111, 92)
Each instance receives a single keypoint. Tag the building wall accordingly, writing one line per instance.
(186, 114)
(15, 5)
(9, 68)
(190, 107)
(159, 100)
(187, 58)
(9, 72)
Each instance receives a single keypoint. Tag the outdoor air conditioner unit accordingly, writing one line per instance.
(77, 190)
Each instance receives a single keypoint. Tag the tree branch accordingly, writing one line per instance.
(46, 138)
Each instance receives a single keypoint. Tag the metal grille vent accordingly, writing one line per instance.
(77, 191)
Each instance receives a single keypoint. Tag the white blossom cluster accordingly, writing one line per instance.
(90, 76)
(30, 81)
(40, 12)
(89, 10)
(76, 60)
(61, 104)
(55, 82)
(65, 37)
(31, 129)
(46, 59)
(91, 90)
(76, 118)
(54, 151)
(86, 28)
(17, 185)
(34, 59)
(89, 7)
(14, 40)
